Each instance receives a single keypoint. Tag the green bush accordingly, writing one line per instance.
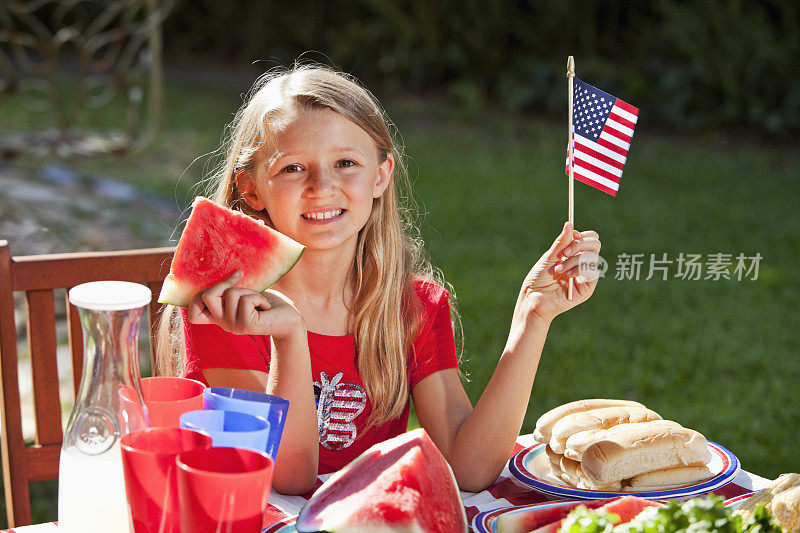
(698, 64)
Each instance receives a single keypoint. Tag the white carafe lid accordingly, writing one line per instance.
(109, 295)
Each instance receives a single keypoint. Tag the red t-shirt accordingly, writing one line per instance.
(342, 404)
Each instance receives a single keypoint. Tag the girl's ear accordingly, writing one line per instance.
(385, 170)
(246, 184)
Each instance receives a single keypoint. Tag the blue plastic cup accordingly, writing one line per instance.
(229, 428)
(272, 408)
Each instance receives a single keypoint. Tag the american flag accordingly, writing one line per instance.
(603, 126)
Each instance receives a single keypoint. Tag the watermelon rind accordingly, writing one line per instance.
(176, 293)
(307, 524)
(180, 290)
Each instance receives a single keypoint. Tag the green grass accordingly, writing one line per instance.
(717, 356)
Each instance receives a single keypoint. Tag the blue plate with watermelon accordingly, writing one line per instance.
(532, 467)
(547, 517)
(540, 515)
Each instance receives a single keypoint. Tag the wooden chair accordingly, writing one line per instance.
(37, 277)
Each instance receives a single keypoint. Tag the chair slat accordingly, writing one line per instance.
(43, 461)
(75, 344)
(15, 477)
(42, 345)
(39, 272)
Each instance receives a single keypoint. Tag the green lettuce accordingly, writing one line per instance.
(583, 520)
(699, 515)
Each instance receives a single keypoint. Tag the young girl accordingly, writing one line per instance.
(358, 326)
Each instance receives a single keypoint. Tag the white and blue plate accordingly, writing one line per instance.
(531, 466)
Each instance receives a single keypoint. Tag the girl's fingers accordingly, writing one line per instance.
(197, 313)
(249, 307)
(561, 242)
(587, 251)
(584, 288)
(212, 296)
(232, 299)
(569, 272)
(565, 266)
(584, 244)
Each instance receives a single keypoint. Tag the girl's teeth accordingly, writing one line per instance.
(323, 216)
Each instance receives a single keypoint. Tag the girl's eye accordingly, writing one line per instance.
(292, 169)
(346, 163)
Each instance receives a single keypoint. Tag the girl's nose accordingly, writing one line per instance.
(321, 182)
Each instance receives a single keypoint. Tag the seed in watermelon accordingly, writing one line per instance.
(402, 484)
(216, 242)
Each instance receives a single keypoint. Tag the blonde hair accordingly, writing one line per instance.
(389, 250)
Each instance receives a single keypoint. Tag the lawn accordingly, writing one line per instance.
(717, 356)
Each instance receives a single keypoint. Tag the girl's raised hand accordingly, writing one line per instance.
(544, 291)
(245, 312)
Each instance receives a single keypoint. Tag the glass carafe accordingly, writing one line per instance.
(91, 488)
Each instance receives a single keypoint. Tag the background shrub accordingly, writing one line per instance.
(698, 64)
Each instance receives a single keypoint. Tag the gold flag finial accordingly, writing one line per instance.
(570, 66)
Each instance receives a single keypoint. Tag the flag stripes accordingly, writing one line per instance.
(603, 127)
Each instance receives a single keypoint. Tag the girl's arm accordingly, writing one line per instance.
(478, 442)
(243, 311)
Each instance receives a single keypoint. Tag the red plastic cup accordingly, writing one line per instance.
(151, 483)
(223, 489)
(167, 398)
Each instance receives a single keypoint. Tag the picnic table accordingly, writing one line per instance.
(506, 491)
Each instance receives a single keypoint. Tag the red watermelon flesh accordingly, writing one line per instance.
(627, 507)
(534, 518)
(218, 241)
(402, 484)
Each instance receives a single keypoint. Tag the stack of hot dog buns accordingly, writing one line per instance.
(620, 445)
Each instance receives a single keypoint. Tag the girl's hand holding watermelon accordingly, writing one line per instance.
(246, 312)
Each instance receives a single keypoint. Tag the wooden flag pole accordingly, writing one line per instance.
(571, 144)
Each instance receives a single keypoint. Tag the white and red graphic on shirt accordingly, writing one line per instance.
(338, 404)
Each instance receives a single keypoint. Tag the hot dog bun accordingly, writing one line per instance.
(579, 442)
(571, 468)
(629, 450)
(585, 484)
(573, 476)
(545, 424)
(603, 418)
(555, 460)
(668, 478)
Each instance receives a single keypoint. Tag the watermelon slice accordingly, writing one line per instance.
(523, 521)
(218, 241)
(402, 484)
(549, 520)
(627, 507)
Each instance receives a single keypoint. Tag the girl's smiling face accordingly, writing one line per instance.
(319, 180)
